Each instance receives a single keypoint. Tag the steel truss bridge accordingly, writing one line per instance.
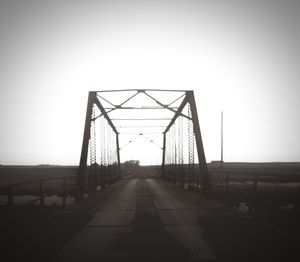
(142, 218)
(182, 153)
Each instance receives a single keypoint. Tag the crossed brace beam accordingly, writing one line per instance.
(93, 99)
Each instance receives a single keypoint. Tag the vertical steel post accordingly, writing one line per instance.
(118, 154)
(163, 156)
(205, 180)
(85, 143)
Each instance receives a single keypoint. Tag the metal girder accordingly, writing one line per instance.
(140, 119)
(117, 106)
(92, 99)
(138, 91)
(85, 141)
(163, 156)
(176, 100)
(141, 90)
(164, 106)
(106, 100)
(118, 152)
(178, 112)
(140, 108)
(205, 180)
(103, 112)
(188, 99)
(128, 99)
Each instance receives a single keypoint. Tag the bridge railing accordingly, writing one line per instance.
(38, 190)
(58, 190)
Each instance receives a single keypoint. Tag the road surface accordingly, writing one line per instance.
(144, 219)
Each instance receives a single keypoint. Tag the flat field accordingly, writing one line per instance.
(16, 174)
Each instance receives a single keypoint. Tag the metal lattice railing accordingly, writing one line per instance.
(180, 153)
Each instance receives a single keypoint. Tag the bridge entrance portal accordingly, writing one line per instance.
(167, 119)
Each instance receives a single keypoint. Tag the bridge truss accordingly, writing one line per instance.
(172, 115)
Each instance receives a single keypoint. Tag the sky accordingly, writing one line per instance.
(240, 57)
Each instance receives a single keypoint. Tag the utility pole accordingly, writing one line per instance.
(222, 138)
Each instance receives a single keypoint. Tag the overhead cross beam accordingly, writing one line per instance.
(177, 113)
(96, 97)
(140, 91)
(165, 106)
(103, 112)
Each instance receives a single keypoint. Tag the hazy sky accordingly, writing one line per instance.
(241, 57)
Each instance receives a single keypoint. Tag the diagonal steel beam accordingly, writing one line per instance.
(120, 106)
(177, 113)
(128, 99)
(165, 106)
(106, 100)
(103, 112)
(176, 100)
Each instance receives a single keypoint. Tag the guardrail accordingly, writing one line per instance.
(62, 186)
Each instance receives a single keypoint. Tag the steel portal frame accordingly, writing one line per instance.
(188, 98)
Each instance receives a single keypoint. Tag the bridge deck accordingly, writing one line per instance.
(148, 219)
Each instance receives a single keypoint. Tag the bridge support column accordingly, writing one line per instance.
(85, 145)
(118, 154)
(163, 157)
(205, 180)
